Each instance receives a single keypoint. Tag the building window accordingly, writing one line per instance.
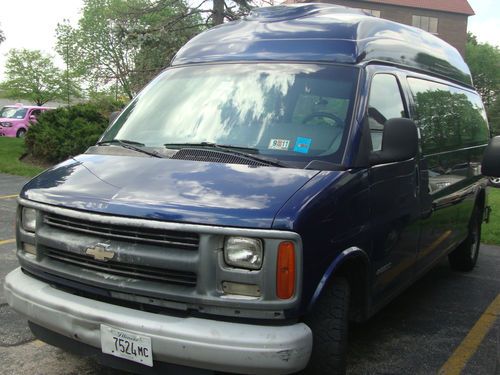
(429, 24)
(373, 12)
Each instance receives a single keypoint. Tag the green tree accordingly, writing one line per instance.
(93, 50)
(211, 13)
(228, 10)
(32, 75)
(157, 30)
(494, 116)
(123, 43)
(2, 36)
(484, 62)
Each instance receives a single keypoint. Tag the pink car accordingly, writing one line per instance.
(16, 119)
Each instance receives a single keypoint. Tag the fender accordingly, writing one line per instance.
(480, 189)
(481, 197)
(347, 254)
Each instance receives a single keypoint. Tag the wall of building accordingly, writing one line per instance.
(452, 27)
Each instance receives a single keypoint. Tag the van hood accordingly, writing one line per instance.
(169, 190)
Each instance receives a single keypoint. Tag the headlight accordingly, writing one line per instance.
(6, 124)
(28, 219)
(243, 252)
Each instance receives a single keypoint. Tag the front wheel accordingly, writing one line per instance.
(21, 133)
(464, 257)
(329, 324)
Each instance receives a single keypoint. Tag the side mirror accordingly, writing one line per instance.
(491, 159)
(399, 142)
(32, 118)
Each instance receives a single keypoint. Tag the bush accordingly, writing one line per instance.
(68, 131)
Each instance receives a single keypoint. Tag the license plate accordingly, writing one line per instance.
(127, 345)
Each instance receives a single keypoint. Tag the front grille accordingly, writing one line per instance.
(139, 272)
(214, 156)
(159, 237)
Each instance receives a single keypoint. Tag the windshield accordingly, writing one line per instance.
(287, 111)
(12, 112)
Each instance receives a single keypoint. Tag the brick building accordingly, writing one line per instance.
(446, 19)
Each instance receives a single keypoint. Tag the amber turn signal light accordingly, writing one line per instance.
(285, 270)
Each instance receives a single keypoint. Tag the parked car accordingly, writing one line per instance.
(286, 174)
(15, 120)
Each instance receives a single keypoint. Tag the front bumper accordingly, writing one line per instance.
(8, 132)
(194, 342)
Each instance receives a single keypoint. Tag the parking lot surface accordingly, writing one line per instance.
(446, 323)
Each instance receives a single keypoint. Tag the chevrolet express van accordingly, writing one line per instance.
(286, 173)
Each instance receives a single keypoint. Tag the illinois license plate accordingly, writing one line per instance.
(127, 345)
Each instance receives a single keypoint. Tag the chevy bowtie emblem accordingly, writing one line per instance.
(100, 252)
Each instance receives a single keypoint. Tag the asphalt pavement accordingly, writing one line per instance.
(447, 323)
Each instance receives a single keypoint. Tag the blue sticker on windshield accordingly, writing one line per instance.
(302, 145)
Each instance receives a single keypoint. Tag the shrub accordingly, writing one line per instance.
(68, 131)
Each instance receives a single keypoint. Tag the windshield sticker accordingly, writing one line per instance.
(302, 145)
(279, 144)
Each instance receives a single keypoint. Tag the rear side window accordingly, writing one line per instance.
(449, 117)
(385, 102)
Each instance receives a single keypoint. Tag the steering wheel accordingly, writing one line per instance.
(338, 121)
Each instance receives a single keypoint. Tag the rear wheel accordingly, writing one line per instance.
(464, 257)
(329, 324)
(21, 133)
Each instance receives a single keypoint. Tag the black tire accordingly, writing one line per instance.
(329, 324)
(464, 257)
(21, 133)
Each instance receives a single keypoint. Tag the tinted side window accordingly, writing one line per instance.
(385, 102)
(35, 112)
(449, 117)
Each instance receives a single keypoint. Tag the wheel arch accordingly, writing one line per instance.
(481, 202)
(21, 128)
(481, 198)
(354, 265)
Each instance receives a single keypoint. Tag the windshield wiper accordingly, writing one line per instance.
(246, 152)
(120, 141)
(212, 145)
(131, 145)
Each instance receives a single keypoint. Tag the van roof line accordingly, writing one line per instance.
(324, 33)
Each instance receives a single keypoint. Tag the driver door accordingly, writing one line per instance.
(394, 198)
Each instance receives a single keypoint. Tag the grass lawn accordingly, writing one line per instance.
(491, 231)
(11, 150)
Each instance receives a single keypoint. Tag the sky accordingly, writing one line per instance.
(31, 23)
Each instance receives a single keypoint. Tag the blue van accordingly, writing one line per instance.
(287, 173)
